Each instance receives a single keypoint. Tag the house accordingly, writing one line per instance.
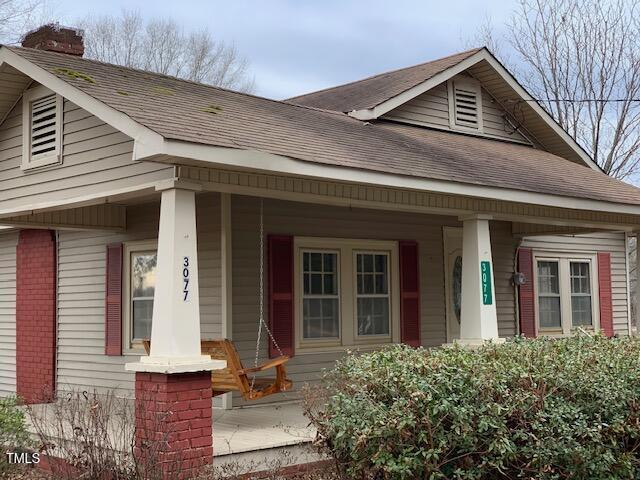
(135, 199)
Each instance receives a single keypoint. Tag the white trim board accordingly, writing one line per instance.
(484, 54)
(170, 151)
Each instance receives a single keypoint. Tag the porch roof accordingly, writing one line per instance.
(202, 114)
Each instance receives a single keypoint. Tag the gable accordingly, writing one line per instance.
(95, 159)
(435, 108)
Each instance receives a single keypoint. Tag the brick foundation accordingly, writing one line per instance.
(36, 315)
(173, 423)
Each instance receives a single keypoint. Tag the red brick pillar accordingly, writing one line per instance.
(173, 423)
(36, 315)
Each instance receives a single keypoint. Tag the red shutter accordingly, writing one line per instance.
(604, 288)
(409, 293)
(280, 252)
(526, 297)
(113, 303)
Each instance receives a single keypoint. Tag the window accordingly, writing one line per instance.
(372, 293)
(564, 287)
(580, 293)
(320, 303)
(465, 104)
(347, 293)
(140, 263)
(41, 128)
(549, 294)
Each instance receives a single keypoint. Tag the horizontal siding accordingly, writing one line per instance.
(8, 242)
(96, 158)
(323, 221)
(432, 109)
(82, 364)
(592, 243)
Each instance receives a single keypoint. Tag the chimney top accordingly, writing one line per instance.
(56, 38)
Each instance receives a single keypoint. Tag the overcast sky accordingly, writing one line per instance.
(296, 46)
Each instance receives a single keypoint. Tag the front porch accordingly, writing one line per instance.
(213, 219)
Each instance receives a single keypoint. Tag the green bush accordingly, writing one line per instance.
(13, 431)
(548, 409)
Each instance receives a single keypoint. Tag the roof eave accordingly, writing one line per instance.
(170, 151)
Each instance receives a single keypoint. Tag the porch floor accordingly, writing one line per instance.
(235, 431)
(259, 428)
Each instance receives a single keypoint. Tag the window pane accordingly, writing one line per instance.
(321, 319)
(330, 284)
(143, 274)
(548, 277)
(373, 316)
(580, 277)
(142, 312)
(367, 263)
(549, 312)
(316, 284)
(316, 262)
(381, 263)
(581, 310)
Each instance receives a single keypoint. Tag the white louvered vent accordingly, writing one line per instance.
(44, 126)
(466, 103)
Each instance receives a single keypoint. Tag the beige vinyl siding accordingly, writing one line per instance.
(96, 158)
(592, 243)
(304, 219)
(82, 364)
(8, 242)
(431, 109)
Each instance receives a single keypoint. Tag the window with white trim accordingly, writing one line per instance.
(320, 297)
(347, 293)
(372, 293)
(41, 128)
(564, 293)
(140, 263)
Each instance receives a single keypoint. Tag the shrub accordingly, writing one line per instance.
(13, 430)
(542, 408)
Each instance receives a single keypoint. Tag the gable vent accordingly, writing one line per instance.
(466, 106)
(44, 125)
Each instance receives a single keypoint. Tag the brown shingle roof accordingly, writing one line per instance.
(373, 91)
(191, 112)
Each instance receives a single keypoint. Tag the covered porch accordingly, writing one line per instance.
(213, 218)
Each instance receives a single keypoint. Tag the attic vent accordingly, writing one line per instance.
(43, 125)
(466, 103)
(42, 111)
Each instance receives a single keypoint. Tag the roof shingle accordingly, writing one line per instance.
(192, 112)
(372, 91)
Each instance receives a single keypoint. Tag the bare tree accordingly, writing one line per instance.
(162, 46)
(17, 16)
(581, 60)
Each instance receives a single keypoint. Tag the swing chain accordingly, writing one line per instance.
(262, 323)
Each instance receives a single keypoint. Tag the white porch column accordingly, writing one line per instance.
(478, 320)
(175, 328)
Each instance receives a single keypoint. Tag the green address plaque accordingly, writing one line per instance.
(487, 293)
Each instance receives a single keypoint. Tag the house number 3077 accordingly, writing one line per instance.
(185, 279)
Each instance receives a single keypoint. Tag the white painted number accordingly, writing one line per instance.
(185, 278)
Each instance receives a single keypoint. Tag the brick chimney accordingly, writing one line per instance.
(55, 38)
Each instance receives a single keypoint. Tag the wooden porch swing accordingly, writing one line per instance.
(236, 378)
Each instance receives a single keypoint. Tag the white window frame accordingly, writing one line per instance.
(347, 272)
(129, 346)
(470, 84)
(321, 340)
(564, 259)
(382, 338)
(50, 158)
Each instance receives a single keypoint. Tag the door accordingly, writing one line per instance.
(452, 238)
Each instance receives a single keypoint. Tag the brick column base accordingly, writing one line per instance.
(173, 423)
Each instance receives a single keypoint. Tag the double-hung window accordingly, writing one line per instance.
(347, 293)
(565, 287)
(140, 262)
